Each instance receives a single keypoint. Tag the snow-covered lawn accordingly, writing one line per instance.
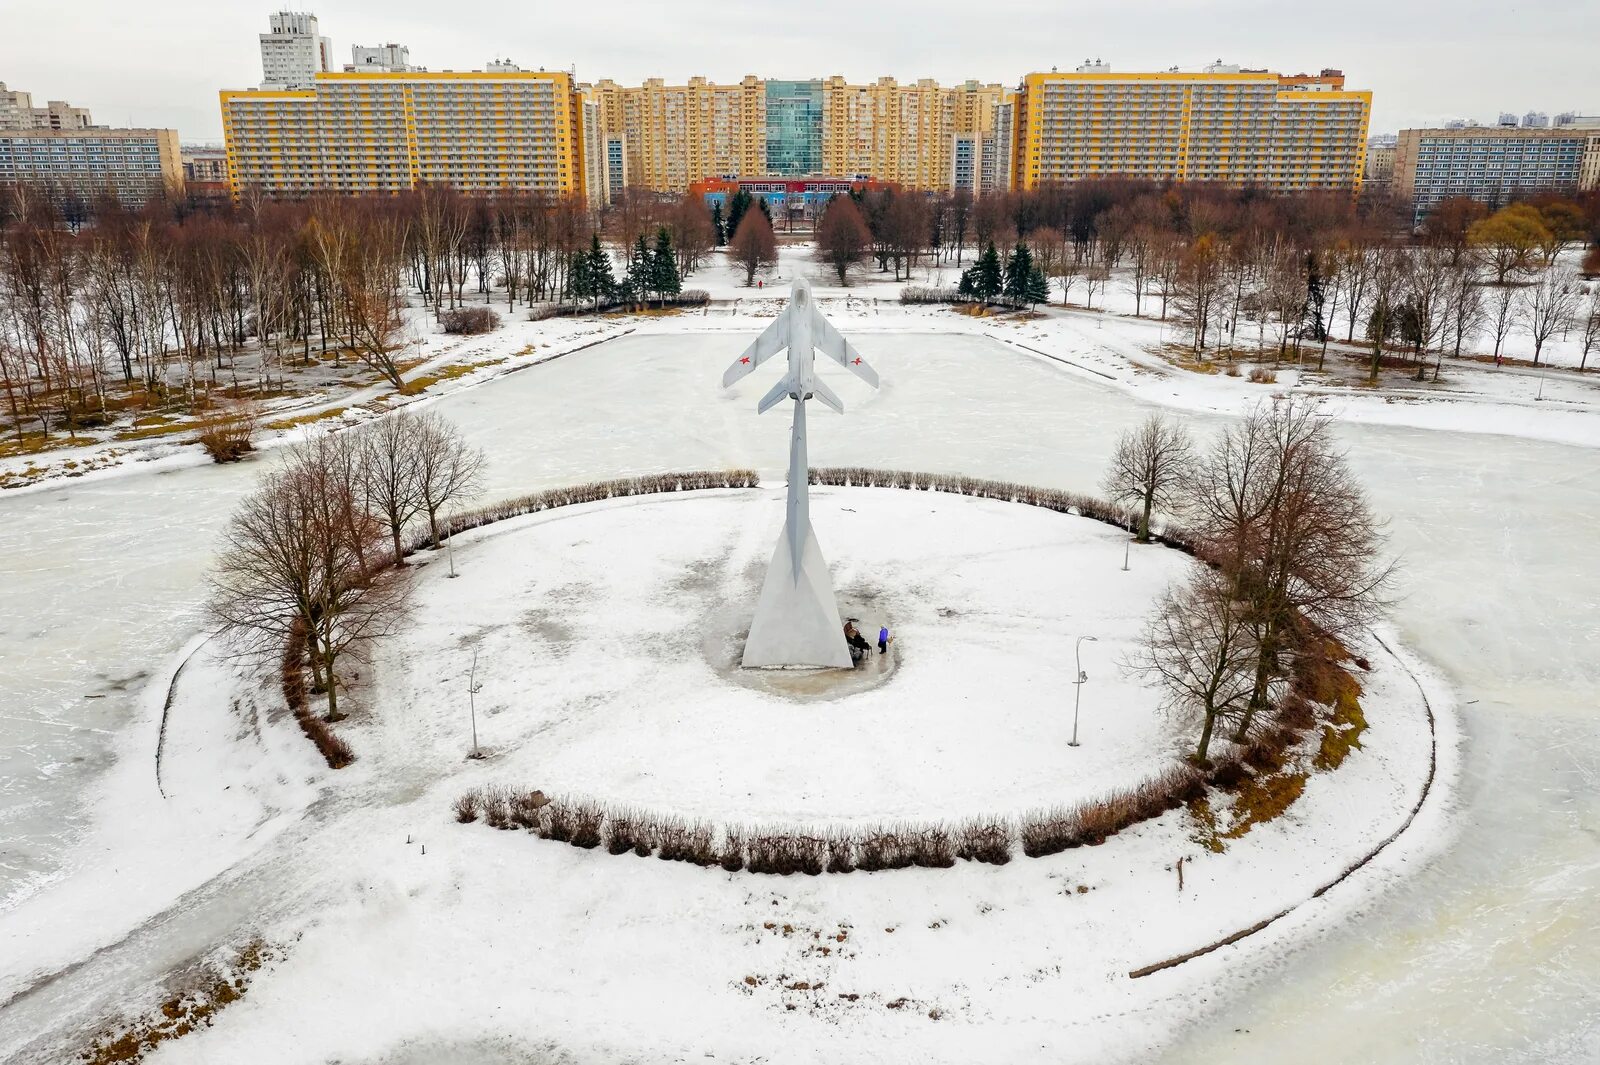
(607, 639)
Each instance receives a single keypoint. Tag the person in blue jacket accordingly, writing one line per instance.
(883, 640)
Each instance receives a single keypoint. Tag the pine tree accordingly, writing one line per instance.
(641, 274)
(967, 287)
(1037, 290)
(664, 267)
(601, 279)
(580, 278)
(1018, 267)
(737, 206)
(987, 278)
(717, 227)
(762, 203)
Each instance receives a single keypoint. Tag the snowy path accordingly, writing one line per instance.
(1502, 596)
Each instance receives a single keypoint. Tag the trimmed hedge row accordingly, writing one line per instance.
(1062, 502)
(784, 849)
(593, 492)
(692, 297)
(292, 678)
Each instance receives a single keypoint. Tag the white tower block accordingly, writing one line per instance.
(797, 620)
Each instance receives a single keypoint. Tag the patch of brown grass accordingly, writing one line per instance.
(285, 424)
(191, 1008)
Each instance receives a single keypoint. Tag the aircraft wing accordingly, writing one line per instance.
(826, 339)
(777, 392)
(772, 340)
(827, 395)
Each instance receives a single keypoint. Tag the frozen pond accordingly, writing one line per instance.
(1487, 955)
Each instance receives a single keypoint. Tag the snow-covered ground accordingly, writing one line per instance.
(103, 577)
(608, 637)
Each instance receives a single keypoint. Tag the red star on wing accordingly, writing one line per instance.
(745, 359)
(858, 360)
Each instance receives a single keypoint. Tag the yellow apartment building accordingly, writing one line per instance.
(1224, 124)
(388, 132)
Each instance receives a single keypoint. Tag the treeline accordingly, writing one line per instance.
(1311, 267)
(100, 306)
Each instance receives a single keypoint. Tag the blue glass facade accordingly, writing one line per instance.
(794, 128)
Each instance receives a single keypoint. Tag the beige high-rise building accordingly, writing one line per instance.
(903, 133)
(676, 134)
(1224, 124)
(477, 131)
(134, 165)
(18, 112)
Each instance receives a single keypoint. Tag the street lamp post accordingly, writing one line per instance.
(1077, 685)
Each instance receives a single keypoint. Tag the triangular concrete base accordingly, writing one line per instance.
(797, 622)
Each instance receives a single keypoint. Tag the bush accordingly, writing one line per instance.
(227, 432)
(1262, 375)
(469, 321)
(467, 807)
(496, 804)
(984, 841)
(1049, 832)
(731, 856)
(883, 848)
(922, 294)
(787, 852)
(574, 822)
(523, 808)
(631, 830)
(841, 843)
(686, 841)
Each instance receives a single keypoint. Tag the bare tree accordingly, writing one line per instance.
(1276, 508)
(291, 561)
(1547, 306)
(449, 470)
(1591, 328)
(1201, 649)
(1150, 467)
(1502, 315)
(842, 236)
(390, 474)
(1198, 282)
(753, 246)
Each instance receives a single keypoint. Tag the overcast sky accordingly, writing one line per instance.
(161, 64)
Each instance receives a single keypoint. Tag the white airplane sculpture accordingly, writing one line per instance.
(797, 620)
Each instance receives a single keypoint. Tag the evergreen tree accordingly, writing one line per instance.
(580, 278)
(717, 227)
(762, 203)
(1037, 290)
(737, 206)
(967, 287)
(988, 279)
(1018, 267)
(641, 272)
(664, 267)
(603, 282)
